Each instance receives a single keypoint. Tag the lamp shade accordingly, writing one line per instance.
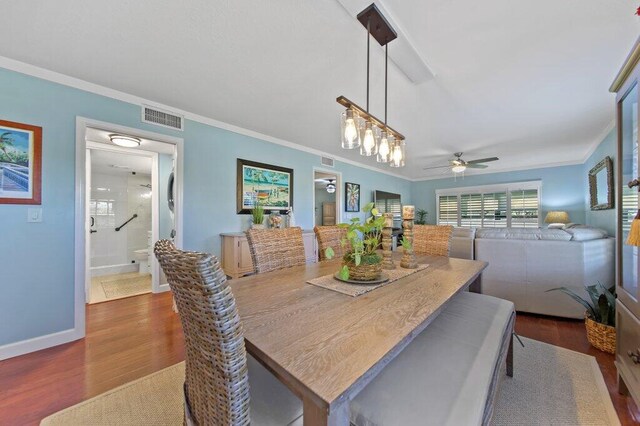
(557, 217)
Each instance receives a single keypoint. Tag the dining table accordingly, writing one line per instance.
(326, 346)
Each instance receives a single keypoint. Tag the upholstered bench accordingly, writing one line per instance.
(449, 374)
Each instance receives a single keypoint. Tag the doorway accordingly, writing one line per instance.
(326, 197)
(127, 198)
(121, 202)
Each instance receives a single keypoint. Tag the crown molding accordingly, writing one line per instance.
(598, 140)
(76, 83)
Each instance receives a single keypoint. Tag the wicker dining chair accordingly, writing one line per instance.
(331, 236)
(273, 249)
(219, 373)
(432, 239)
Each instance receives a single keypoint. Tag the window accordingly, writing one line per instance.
(514, 205)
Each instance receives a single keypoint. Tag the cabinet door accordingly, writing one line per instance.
(628, 265)
(244, 257)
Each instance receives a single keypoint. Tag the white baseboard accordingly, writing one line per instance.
(38, 343)
(163, 287)
(98, 271)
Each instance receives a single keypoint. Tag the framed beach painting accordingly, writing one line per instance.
(263, 184)
(20, 163)
(352, 197)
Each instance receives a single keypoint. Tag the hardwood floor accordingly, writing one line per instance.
(131, 338)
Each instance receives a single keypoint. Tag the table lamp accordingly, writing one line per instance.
(556, 219)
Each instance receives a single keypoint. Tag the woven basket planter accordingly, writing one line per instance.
(365, 272)
(601, 336)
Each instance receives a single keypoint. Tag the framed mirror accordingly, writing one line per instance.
(601, 185)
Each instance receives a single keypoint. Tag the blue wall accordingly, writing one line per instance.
(605, 219)
(563, 188)
(37, 261)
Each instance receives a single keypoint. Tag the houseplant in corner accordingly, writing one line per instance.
(257, 216)
(600, 318)
(422, 217)
(362, 262)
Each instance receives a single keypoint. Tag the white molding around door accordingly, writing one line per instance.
(81, 266)
(339, 194)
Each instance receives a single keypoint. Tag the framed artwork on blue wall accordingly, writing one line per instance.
(263, 184)
(20, 163)
(352, 197)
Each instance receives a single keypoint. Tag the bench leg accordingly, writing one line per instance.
(510, 357)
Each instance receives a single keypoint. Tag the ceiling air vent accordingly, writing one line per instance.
(326, 161)
(162, 118)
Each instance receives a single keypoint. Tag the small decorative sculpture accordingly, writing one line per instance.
(387, 242)
(408, 256)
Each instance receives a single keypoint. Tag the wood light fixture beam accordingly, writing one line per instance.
(372, 118)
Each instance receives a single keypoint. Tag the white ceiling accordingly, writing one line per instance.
(102, 136)
(524, 81)
(103, 162)
(321, 179)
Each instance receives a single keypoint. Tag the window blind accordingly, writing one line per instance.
(494, 210)
(491, 206)
(471, 210)
(524, 208)
(448, 210)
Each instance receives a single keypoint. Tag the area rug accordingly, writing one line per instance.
(124, 287)
(551, 386)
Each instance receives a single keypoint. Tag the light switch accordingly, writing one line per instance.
(34, 214)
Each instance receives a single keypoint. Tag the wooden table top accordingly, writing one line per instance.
(326, 345)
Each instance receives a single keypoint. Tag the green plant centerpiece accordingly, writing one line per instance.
(257, 216)
(600, 317)
(361, 262)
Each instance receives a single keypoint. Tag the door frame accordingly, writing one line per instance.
(155, 209)
(338, 192)
(80, 211)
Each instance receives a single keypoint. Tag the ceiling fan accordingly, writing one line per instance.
(458, 165)
(331, 186)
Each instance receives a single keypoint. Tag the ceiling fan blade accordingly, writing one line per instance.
(483, 160)
(476, 166)
(436, 167)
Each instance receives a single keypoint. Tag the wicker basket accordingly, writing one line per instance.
(365, 272)
(601, 336)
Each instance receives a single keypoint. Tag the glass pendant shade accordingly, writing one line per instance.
(397, 154)
(384, 148)
(350, 129)
(370, 137)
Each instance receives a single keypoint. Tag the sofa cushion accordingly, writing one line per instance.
(523, 234)
(460, 232)
(586, 233)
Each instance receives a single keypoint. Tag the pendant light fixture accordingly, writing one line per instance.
(361, 129)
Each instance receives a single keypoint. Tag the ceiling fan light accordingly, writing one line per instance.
(331, 187)
(350, 129)
(458, 168)
(125, 141)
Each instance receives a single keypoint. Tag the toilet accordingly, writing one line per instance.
(142, 257)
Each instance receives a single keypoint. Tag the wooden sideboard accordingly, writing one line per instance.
(236, 257)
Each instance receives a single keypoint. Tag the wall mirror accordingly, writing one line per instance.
(601, 185)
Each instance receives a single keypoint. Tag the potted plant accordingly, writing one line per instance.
(422, 217)
(257, 215)
(361, 262)
(600, 318)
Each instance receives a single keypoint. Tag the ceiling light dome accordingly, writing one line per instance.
(458, 168)
(125, 141)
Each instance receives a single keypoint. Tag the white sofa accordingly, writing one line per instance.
(524, 263)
